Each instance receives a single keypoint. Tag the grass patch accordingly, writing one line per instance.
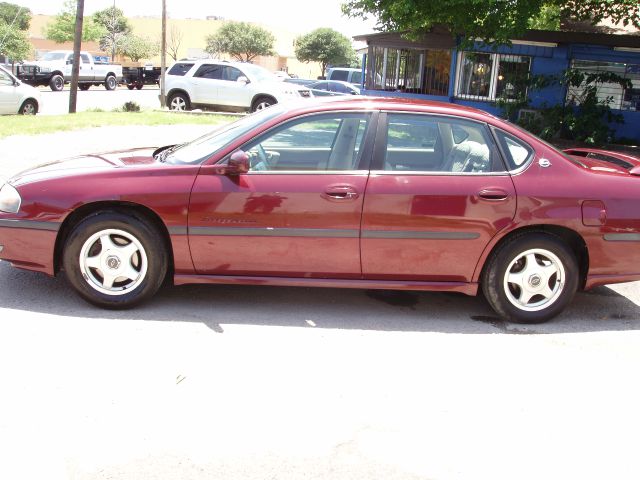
(30, 125)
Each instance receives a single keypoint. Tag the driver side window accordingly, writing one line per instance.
(317, 143)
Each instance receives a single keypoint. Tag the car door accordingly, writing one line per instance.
(297, 212)
(9, 95)
(206, 82)
(87, 72)
(437, 194)
(232, 92)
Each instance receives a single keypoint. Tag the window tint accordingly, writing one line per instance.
(339, 87)
(321, 86)
(339, 75)
(516, 152)
(232, 74)
(85, 58)
(5, 78)
(356, 77)
(211, 72)
(179, 69)
(438, 144)
(321, 142)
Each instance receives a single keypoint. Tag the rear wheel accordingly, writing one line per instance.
(130, 86)
(29, 107)
(84, 86)
(115, 260)
(56, 83)
(531, 278)
(138, 87)
(178, 102)
(110, 83)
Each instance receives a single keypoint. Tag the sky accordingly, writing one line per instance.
(297, 16)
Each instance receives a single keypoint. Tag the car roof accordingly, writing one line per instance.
(363, 102)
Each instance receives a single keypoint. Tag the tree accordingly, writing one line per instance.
(174, 42)
(116, 28)
(494, 21)
(14, 14)
(326, 46)
(136, 47)
(63, 26)
(14, 43)
(243, 41)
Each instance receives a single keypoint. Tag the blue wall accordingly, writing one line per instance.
(546, 61)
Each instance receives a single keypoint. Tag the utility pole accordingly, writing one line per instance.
(75, 69)
(163, 55)
(113, 34)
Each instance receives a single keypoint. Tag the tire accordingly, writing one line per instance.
(179, 102)
(28, 107)
(56, 83)
(531, 278)
(130, 87)
(138, 87)
(263, 102)
(84, 86)
(110, 83)
(126, 246)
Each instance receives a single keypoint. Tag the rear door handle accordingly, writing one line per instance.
(493, 194)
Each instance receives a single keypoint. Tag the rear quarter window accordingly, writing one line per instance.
(180, 69)
(515, 151)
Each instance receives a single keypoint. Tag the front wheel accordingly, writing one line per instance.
(115, 260)
(56, 83)
(29, 107)
(178, 102)
(261, 103)
(110, 83)
(531, 278)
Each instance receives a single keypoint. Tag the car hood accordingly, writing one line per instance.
(53, 64)
(86, 163)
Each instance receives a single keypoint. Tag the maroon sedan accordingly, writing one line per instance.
(356, 193)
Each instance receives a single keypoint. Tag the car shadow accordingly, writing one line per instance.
(601, 309)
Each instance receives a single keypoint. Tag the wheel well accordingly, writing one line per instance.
(262, 95)
(570, 237)
(178, 90)
(79, 214)
(30, 99)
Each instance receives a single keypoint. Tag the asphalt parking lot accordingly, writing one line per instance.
(296, 383)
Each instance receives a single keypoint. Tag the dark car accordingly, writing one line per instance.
(332, 88)
(350, 192)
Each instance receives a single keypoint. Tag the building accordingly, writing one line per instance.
(434, 67)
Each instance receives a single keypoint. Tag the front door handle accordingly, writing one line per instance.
(340, 192)
(493, 194)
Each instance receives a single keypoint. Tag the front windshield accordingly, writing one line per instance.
(52, 56)
(257, 73)
(202, 148)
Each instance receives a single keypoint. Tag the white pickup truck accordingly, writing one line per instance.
(54, 69)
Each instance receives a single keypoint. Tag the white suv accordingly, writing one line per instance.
(226, 86)
(17, 97)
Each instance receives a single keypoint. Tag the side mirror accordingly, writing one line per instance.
(243, 79)
(238, 163)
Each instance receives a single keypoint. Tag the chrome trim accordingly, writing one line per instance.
(31, 224)
(308, 172)
(177, 230)
(438, 174)
(406, 234)
(622, 237)
(274, 232)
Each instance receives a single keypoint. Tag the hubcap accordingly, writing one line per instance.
(29, 109)
(262, 105)
(113, 262)
(534, 280)
(178, 103)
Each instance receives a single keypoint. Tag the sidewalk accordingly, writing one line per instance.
(19, 152)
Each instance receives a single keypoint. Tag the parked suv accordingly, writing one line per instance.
(226, 86)
(351, 75)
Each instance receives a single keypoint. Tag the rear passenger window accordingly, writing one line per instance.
(515, 151)
(422, 143)
(339, 75)
(179, 69)
(211, 72)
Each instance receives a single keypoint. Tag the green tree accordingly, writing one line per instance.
(326, 46)
(14, 43)
(136, 47)
(62, 28)
(494, 21)
(243, 41)
(10, 12)
(116, 28)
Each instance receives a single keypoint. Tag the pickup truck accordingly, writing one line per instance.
(54, 70)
